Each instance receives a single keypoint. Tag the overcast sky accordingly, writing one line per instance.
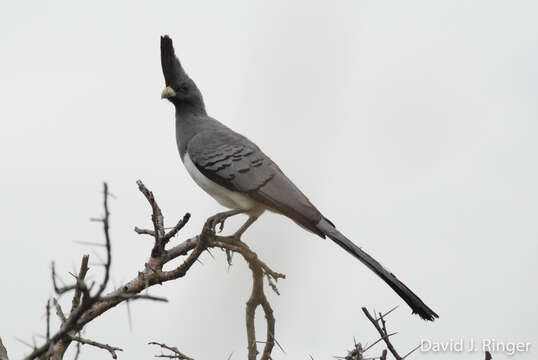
(412, 125)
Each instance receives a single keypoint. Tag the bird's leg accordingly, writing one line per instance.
(221, 217)
(244, 227)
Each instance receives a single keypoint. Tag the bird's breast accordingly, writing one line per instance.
(225, 197)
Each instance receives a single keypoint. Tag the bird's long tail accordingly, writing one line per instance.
(405, 293)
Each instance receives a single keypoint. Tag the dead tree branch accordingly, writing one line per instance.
(111, 349)
(360, 353)
(90, 301)
(176, 353)
(3, 352)
(380, 323)
(382, 330)
(57, 344)
(257, 298)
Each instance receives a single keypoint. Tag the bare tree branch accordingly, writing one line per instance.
(359, 352)
(157, 219)
(77, 351)
(383, 355)
(383, 332)
(87, 305)
(111, 349)
(59, 290)
(3, 351)
(181, 223)
(176, 353)
(81, 276)
(56, 345)
(59, 312)
(144, 231)
(47, 313)
(90, 301)
(410, 352)
(378, 340)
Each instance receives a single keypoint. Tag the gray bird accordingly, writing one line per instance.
(236, 173)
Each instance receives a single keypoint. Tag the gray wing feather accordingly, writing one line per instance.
(230, 160)
(236, 163)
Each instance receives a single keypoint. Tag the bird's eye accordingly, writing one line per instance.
(183, 88)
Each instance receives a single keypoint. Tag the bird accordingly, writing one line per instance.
(241, 177)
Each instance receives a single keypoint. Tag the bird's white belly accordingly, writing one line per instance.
(225, 197)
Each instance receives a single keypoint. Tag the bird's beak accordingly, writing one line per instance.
(168, 92)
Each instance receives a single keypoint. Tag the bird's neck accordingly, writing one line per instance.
(188, 124)
(189, 108)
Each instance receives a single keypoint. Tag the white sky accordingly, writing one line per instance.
(411, 125)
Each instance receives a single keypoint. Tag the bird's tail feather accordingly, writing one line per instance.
(416, 304)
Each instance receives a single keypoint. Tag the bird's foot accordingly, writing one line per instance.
(219, 219)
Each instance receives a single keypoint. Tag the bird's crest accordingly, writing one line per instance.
(172, 70)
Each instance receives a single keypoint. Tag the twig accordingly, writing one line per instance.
(58, 343)
(378, 340)
(111, 349)
(3, 351)
(410, 352)
(177, 354)
(77, 352)
(157, 219)
(106, 227)
(144, 231)
(385, 314)
(383, 355)
(88, 304)
(47, 309)
(81, 276)
(382, 333)
(279, 346)
(133, 297)
(181, 223)
(59, 311)
(59, 290)
(258, 298)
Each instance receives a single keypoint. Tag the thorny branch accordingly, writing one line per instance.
(176, 354)
(85, 306)
(259, 270)
(359, 352)
(382, 329)
(257, 298)
(111, 349)
(57, 344)
(89, 300)
(3, 352)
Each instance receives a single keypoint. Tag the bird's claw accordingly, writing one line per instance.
(217, 220)
(221, 225)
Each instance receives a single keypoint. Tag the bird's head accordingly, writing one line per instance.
(180, 89)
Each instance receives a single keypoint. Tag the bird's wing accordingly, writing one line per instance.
(237, 164)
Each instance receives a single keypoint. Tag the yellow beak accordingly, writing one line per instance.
(167, 93)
